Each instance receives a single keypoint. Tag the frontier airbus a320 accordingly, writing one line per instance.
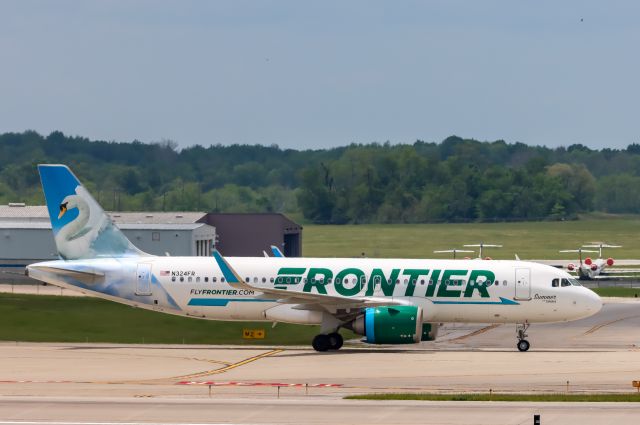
(388, 301)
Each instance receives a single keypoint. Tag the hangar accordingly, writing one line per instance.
(25, 235)
(248, 234)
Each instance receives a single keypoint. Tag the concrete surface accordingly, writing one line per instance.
(107, 411)
(105, 383)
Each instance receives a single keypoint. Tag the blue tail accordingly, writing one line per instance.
(80, 227)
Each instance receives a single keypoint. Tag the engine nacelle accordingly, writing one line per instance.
(594, 267)
(390, 325)
(610, 261)
(571, 267)
(588, 261)
(430, 331)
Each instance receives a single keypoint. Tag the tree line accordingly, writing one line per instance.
(452, 181)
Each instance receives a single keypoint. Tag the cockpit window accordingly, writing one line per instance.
(565, 282)
(555, 283)
(574, 282)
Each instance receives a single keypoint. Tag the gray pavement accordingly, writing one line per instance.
(109, 383)
(107, 411)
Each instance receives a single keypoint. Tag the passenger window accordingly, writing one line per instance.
(213, 279)
(338, 280)
(421, 281)
(173, 279)
(190, 278)
(198, 279)
(406, 281)
(181, 279)
(222, 279)
(271, 280)
(255, 280)
(264, 280)
(555, 283)
(504, 283)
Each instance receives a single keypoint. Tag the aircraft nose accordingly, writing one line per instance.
(593, 302)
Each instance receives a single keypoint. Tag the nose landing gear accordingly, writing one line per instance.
(521, 334)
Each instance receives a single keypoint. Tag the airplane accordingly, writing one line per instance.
(590, 269)
(387, 301)
(482, 245)
(453, 251)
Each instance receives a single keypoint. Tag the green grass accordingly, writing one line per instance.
(530, 240)
(41, 318)
(627, 397)
(618, 292)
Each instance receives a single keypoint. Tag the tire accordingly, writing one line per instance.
(335, 341)
(321, 343)
(523, 345)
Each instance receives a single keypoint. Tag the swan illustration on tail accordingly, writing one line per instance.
(80, 226)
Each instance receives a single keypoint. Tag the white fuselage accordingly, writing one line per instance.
(447, 290)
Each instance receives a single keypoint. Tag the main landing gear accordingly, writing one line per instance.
(521, 334)
(323, 342)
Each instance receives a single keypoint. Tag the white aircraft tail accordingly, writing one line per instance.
(81, 228)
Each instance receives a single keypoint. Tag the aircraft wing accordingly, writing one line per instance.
(276, 251)
(305, 300)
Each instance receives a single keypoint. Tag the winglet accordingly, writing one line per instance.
(231, 276)
(276, 251)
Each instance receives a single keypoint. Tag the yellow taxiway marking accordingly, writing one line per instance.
(478, 332)
(229, 367)
(602, 325)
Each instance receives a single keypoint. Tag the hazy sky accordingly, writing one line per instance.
(319, 74)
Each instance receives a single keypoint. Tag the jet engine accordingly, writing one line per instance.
(594, 267)
(390, 325)
(571, 267)
(610, 261)
(588, 261)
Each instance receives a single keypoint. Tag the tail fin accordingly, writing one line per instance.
(80, 227)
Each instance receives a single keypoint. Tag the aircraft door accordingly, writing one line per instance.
(523, 284)
(143, 279)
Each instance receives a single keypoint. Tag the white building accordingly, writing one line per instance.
(26, 237)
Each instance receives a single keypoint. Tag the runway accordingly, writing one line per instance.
(109, 383)
(309, 411)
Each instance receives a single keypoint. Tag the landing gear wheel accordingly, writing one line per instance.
(521, 334)
(321, 343)
(335, 341)
(523, 345)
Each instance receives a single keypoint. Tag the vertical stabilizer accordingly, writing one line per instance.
(80, 227)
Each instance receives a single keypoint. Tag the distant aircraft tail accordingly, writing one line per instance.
(81, 228)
